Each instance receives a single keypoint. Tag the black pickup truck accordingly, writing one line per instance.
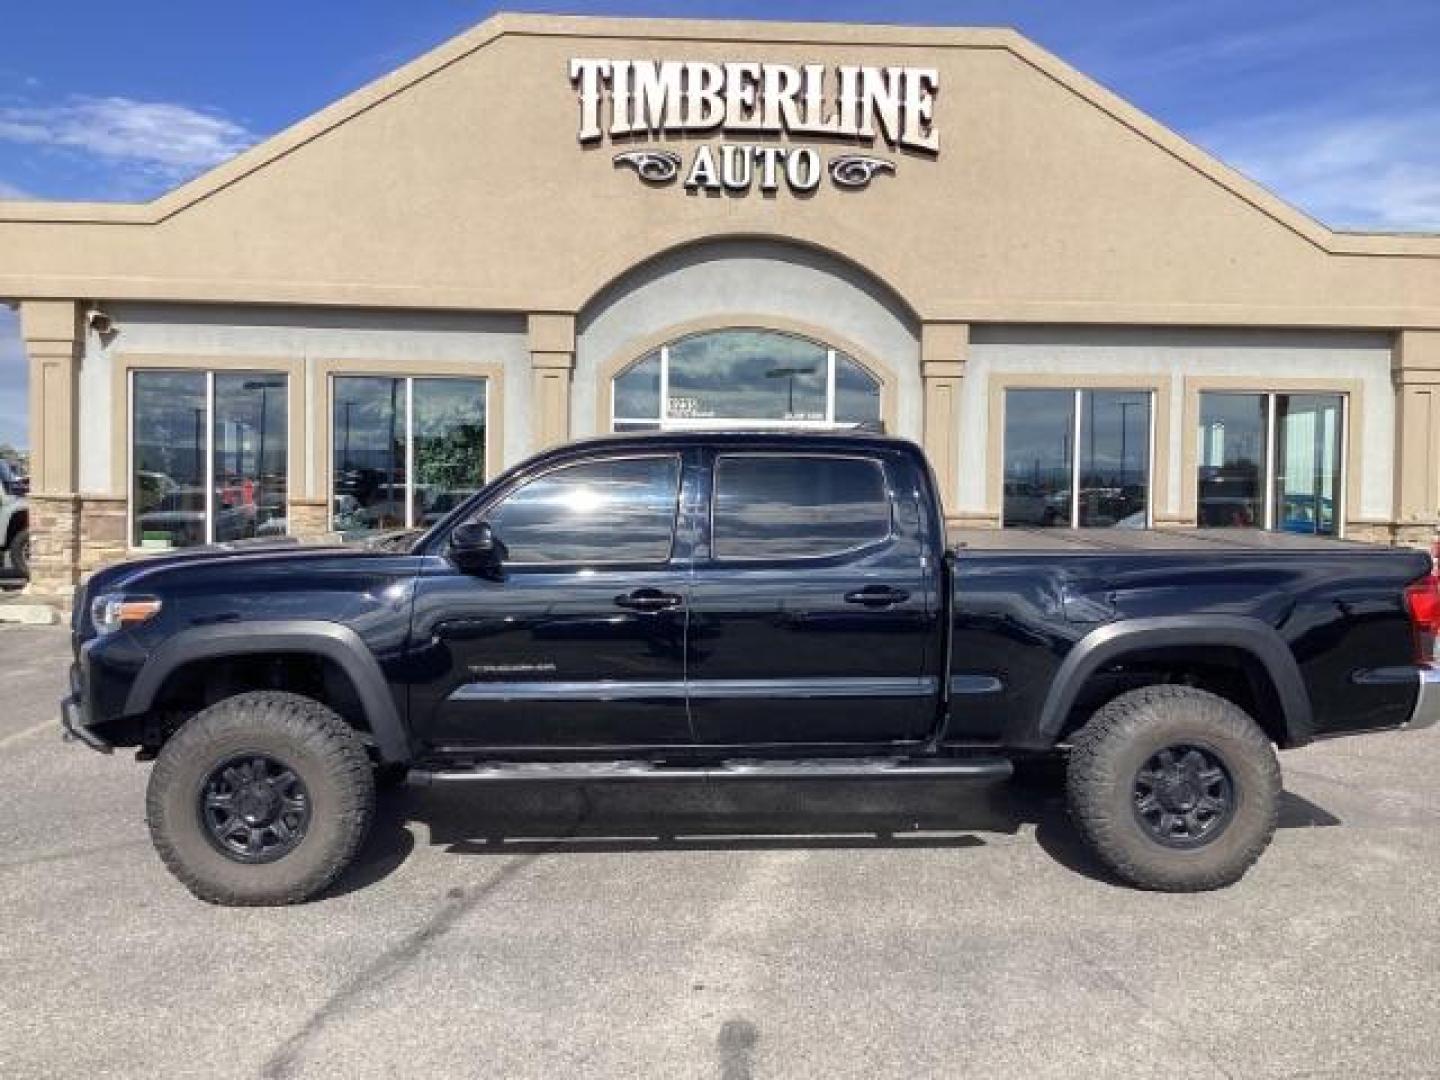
(730, 606)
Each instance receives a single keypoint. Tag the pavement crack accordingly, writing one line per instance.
(284, 1060)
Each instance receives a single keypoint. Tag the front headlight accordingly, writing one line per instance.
(116, 611)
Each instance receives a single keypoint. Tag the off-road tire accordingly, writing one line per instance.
(1110, 750)
(20, 552)
(309, 739)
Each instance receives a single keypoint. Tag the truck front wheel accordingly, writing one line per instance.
(261, 799)
(1175, 789)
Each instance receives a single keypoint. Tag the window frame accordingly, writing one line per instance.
(131, 370)
(408, 379)
(1153, 398)
(876, 463)
(675, 456)
(1269, 494)
(664, 422)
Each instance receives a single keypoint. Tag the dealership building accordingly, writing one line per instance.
(551, 227)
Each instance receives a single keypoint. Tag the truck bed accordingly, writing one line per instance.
(1169, 540)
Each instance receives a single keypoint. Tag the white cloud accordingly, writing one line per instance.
(1377, 169)
(10, 191)
(168, 139)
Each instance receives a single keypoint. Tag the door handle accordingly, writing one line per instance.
(648, 600)
(877, 596)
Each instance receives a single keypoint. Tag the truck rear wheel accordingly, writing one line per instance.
(1175, 789)
(261, 799)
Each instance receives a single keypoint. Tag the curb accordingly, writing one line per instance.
(29, 614)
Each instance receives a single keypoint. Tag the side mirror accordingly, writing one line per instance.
(475, 549)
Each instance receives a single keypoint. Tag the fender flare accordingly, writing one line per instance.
(1112, 641)
(332, 641)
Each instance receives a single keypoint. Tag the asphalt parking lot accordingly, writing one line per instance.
(829, 930)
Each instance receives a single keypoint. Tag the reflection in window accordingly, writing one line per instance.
(251, 456)
(1114, 458)
(167, 485)
(797, 507)
(1240, 435)
(383, 429)
(744, 377)
(1231, 460)
(598, 512)
(1307, 463)
(449, 418)
(1040, 469)
(210, 457)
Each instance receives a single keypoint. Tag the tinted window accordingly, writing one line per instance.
(601, 511)
(1039, 469)
(797, 507)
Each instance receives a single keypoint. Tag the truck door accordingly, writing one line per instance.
(814, 615)
(582, 642)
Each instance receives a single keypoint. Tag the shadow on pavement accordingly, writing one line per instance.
(511, 818)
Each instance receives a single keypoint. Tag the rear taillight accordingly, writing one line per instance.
(1422, 599)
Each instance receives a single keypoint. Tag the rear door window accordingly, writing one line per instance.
(785, 506)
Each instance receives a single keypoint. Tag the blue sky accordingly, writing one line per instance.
(1335, 106)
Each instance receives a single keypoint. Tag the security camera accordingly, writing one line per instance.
(98, 321)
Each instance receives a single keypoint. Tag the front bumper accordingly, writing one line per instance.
(73, 720)
(1427, 705)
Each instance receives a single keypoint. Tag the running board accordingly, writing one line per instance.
(739, 769)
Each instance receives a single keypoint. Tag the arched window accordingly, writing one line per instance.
(744, 378)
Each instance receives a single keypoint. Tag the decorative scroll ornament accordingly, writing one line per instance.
(652, 166)
(855, 171)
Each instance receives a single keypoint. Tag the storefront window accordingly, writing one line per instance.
(210, 457)
(1244, 439)
(1043, 472)
(386, 430)
(1231, 448)
(749, 378)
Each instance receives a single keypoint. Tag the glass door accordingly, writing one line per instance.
(1309, 433)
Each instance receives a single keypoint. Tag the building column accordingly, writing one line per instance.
(54, 337)
(552, 361)
(1416, 372)
(944, 349)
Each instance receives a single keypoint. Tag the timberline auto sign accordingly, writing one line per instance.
(637, 99)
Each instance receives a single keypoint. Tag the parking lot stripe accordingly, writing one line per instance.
(42, 726)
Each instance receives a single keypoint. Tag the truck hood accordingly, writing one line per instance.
(282, 551)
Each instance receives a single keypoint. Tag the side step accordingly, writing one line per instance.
(997, 768)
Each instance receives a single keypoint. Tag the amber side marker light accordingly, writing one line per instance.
(112, 613)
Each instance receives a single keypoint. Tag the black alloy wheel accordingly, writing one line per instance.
(1184, 796)
(255, 809)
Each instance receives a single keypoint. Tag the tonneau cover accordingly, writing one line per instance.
(1104, 541)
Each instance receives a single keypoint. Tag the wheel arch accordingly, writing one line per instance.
(1256, 641)
(326, 641)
